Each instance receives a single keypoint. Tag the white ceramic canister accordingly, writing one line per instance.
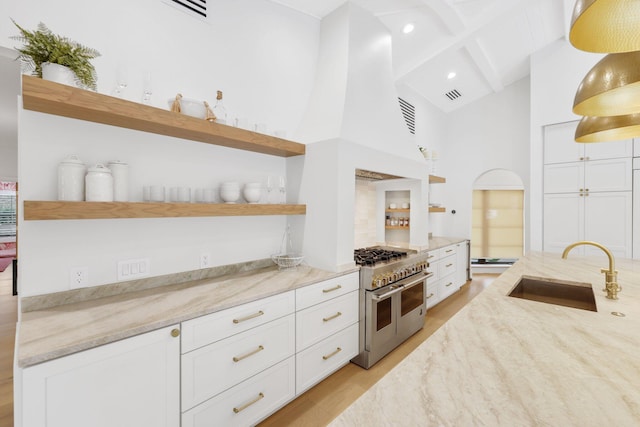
(120, 173)
(71, 172)
(99, 184)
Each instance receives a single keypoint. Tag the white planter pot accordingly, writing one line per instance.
(59, 74)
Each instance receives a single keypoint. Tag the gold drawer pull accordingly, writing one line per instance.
(449, 284)
(430, 256)
(449, 250)
(448, 265)
(429, 296)
(330, 355)
(257, 350)
(242, 319)
(175, 332)
(246, 405)
(326, 319)
(335, 288)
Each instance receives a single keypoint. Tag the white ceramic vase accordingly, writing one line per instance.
(59, 74)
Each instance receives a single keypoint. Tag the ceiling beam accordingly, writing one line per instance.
(447, 14)
(463, 38)
(481, 59)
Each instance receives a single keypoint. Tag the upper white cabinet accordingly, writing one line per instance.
(587, 192)
(560, 146)
(588, 176)
(133, 382)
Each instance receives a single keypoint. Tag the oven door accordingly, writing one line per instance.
(411, 312)
(381, 317)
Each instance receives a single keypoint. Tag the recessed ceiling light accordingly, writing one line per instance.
(408, 28)
(451, 75)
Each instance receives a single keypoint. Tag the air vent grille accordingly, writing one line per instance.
(453, 94)
(197, 8)
(409, 113)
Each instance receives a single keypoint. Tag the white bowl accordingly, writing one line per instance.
(229, 195)
(252, 195)
(191, 107)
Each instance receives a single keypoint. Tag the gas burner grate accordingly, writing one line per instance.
(372, 256)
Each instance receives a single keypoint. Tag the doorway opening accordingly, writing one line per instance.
(497, 233)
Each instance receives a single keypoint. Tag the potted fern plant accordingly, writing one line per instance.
(44, 52)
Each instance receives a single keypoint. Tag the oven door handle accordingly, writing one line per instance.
(394, 290)
(416, 280)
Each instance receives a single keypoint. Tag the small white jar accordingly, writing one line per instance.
(99, 184)
(120, 173)
(71, 172)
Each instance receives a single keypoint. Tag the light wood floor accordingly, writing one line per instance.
(316, 407)
(8, 319)
(321, 404)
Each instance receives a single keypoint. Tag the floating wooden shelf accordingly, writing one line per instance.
(397, 210)
(434, 179)
(396, 227)
(56, 210)
(54, 98)
(433, 209)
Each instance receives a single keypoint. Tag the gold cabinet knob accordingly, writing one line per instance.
(175, 332)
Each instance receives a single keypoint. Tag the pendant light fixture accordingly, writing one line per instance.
(606, 26)
(609, 128)
(612, 86)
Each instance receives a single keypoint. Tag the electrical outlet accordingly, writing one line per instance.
(131, 269)
(205, 260)
(78, 277)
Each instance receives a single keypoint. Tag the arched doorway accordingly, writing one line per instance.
(497, 233)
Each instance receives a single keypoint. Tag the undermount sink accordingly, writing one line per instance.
(569, 294)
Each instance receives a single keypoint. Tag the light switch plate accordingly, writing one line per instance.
(132, 269)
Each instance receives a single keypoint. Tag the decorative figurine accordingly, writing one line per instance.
(209, 116)
(175, 107)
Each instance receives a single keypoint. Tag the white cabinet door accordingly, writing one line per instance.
(608, 220)
(563, 221)
(564, 177)
(636, 147)
(134, 382)
(608, 150)
(601, 217)
(560, 145)
(608, 175)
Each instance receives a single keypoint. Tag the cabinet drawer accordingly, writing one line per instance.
(248, 402)
(447, 286)
(447, 266)
(322, 359)
(212, 369)
(433, 256)
(216, 326)
(447, 251)
(326, 290)
(318, 322)
(432, 297)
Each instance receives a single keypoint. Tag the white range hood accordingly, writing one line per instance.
(353, 121)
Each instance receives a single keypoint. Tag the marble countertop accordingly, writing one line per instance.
(504, 361)
(64, 329)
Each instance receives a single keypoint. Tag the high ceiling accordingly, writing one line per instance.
(487, 43)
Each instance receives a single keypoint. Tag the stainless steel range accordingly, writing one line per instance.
(393, 283)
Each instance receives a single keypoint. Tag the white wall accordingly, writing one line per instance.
(556, 72)
(261, 55)
(488, 134)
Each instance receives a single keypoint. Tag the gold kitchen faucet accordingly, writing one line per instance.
(610, 275)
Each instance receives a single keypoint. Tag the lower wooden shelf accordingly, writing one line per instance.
(434, 209)
(396, 227)
(57, 210)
